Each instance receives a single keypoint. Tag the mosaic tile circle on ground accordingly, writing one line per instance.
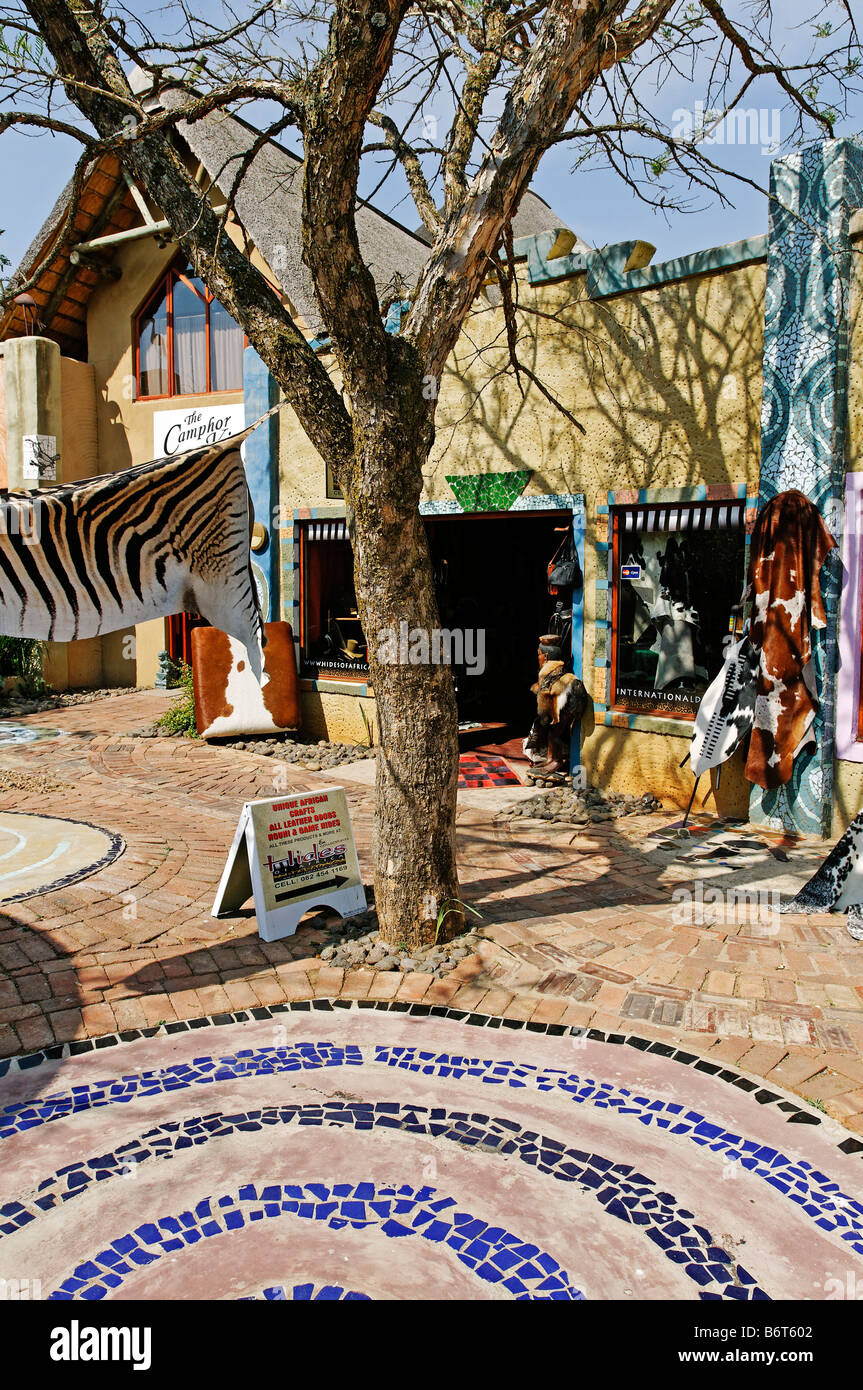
(549, 1181)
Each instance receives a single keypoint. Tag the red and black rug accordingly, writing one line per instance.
(485, 770)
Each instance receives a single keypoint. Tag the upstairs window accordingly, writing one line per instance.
(186, 342)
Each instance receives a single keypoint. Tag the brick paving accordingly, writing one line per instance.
(616, 926)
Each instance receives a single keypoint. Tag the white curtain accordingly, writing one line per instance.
(226, 350)
(153, 351)
(190, 328)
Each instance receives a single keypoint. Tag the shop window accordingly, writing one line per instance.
(678, 573)
(179, 636)
(186, 342)
(331, 637)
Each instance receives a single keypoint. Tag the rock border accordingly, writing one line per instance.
(565, 805)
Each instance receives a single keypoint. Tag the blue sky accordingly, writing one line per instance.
(33, 169)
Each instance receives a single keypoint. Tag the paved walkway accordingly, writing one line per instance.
(620, 926)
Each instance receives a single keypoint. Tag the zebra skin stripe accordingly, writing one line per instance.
(165, 537)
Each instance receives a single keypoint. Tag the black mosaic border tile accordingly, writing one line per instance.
(116, 847)
(793, 1110)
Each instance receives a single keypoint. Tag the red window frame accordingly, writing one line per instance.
(345, 677)
(178, 635)
(165, 285)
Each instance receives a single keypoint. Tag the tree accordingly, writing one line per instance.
(515, 79)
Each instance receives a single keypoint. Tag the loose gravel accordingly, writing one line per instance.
(311, 754)
(568, 806)
(34, 783)
(356, 944)
(12, 705)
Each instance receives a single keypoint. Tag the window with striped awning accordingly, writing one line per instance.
(327, 531)
(694, 516)
(331, 635)
(677, 572)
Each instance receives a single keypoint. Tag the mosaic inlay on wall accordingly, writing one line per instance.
(812, 195)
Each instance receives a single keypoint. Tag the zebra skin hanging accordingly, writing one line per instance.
(165, 537)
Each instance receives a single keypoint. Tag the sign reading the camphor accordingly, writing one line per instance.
(293, 853)
(177, 431)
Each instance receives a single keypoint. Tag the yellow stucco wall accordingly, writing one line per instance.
(95, 661)
(847, 794)
(4, 476)
(666, 384)
(125, 425)
(337, 716)
(80, 457)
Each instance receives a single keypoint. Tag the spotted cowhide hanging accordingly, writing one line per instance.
(789, 544)
(229, 699)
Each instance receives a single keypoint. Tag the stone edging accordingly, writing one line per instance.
(116, 847)
(731, 1075)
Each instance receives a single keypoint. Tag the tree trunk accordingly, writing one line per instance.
(416, 880)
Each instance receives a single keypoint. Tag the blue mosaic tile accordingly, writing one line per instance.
(583, 1090)
(813, 1192)
(91, 1280)
(629, 1196)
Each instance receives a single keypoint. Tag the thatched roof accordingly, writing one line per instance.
(268, 203)
(61, 294)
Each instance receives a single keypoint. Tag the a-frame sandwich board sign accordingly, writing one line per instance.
(291, 854)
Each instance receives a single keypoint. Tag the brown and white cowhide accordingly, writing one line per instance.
(789, 545)
(229, 701)
(561, 700)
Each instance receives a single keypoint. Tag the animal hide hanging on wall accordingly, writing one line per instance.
(789, 545)
(106, 553)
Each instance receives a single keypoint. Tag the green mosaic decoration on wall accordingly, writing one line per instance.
(489, 492)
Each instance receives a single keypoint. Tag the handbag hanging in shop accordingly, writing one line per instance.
(564, 571)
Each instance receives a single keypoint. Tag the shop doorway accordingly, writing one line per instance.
(491, 573)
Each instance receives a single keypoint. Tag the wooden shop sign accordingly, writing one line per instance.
(292, 854)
